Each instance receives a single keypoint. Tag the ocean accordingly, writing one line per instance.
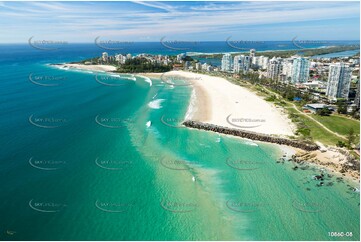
(86, 161)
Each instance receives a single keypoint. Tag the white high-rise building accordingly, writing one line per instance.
(274, 69)
(204, 66)
(227, 62)
(198, 66)
(238, 63)
(265, 61)
(105, 56)
(256, 61)
(241, 63)
(252, 53)
(246, 64)
(339, 80)
(120, 58)
(300, 70)
(287, 67)
(180, 56)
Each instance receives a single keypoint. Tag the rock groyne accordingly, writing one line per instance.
(251, 135)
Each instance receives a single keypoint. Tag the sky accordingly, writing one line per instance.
(82, 22)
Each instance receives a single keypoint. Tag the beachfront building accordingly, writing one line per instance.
(187, 65)
(252, 53)
(274, 69)
(287, 67)
(263, 62)
(300, 70)
(105, 56)
(227, 62)
(198, 66)
(180, 57)
(339, 79)
(255, 61)
(241, 63)
(207, 67)
(357, 97)
(246, 64)
(120, 58)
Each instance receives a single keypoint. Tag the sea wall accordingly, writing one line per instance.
(251, 135)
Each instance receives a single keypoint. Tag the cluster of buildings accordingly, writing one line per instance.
(121, 59)
(328, 78)
(333, 79)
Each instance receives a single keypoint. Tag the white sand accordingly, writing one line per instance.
(217, 99)
(89, 67)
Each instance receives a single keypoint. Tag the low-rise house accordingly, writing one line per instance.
(314, 107)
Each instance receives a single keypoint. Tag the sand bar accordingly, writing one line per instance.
(107, 68)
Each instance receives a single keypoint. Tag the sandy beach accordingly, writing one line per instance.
(220, 102)
(107, 68)
(214, 99)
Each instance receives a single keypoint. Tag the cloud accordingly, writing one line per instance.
(190, 20)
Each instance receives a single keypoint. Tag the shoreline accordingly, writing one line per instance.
(102, 68)
(220, 102)
(201, 105)
(331, 159)
(76, 66)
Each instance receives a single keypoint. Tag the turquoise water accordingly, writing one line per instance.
(79, 162)
(338, 54)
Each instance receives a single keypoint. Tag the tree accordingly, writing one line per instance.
(324, 112)
(340, 144)
(341, 106)
(350, 138)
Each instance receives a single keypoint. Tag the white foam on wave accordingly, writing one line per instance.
(147, 79)
(250, 143)
(156, 104)
(130, 77)
(192, 105)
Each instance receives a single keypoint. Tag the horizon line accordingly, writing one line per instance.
(199, 41)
